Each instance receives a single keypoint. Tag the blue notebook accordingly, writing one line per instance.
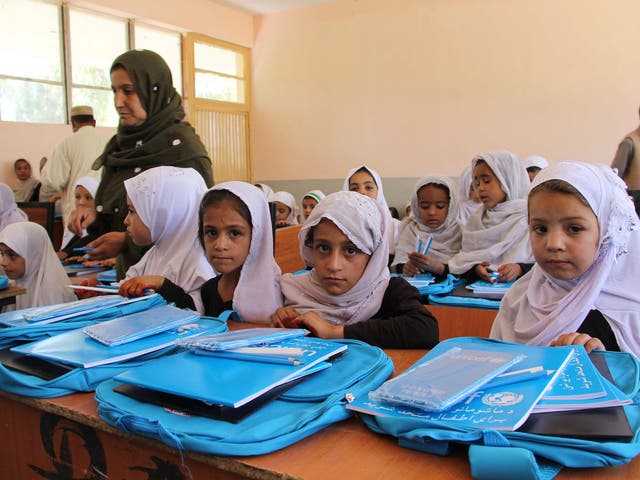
(77, 349)
(107, 277)
(225, 381)
(442, 381)
(139, 325)
(243, 338)
(504, 407)
(421, 282)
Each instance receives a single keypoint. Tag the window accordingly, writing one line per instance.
(164, 42)
(31, 67)
(219, 73)
(90, 61)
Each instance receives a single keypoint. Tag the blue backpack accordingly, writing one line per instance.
(505, 455)
(306, 408)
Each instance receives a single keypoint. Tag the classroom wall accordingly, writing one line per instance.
(33, 141)
(417, 86)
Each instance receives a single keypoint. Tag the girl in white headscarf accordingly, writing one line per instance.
(163, 210)
(9, 211)
(469, 200)
(366, 181)
(285, 209)
(534, 164)
(27, 186)
(434, 215)
(84, 190)
(29, 259)
(266, 190)
(349, 292)
(496, 235)
(309, 202)
(235, 231)
(586, 242)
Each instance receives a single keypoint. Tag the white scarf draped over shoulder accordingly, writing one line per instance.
(389, 223)
(500, 234)
(9, 211)
(467, 205)
(257, 295)
(537, 309)
(361, 220)
(44, 279)
(446, 238)
(167, 200)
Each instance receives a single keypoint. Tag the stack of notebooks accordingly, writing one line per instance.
(421, 282)
(230, 375)
(495, 290)
(506, 387)
(112, 341)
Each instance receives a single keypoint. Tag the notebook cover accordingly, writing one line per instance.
(34, 366)
(225, 381)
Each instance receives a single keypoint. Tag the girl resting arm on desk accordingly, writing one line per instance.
(586, 242)
(349, 292)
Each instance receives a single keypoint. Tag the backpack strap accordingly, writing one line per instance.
(230, 314)
(503, 463)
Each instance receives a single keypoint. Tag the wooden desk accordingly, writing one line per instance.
(287, 249)
(65, 438)
(8, 295)
(462, 322)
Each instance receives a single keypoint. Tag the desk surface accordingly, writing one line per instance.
(347, 449)
(12, 292)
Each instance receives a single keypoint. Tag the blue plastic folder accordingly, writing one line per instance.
(243, 338)
(225, 381)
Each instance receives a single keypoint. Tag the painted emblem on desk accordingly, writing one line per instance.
(502, 399)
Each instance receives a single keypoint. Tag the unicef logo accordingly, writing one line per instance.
(502, 399)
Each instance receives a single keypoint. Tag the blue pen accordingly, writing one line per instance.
(83, 249)
(426, 249)
(275, 359)
(517, 376)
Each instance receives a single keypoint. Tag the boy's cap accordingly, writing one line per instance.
(81, 110)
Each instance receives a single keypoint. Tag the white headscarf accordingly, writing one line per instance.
(44, 278)
(389, 224)
(446, 238)
(91, 184)
(317, 195)
(9, 211)
(267, 191)
(167, 200)
(361, 220)
(538, 308)
(289, 201)
(257, 295)
(500, 234)
(535, 161)
(467, 205)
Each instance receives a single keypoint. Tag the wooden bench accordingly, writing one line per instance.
(43, 213)
(287, 249)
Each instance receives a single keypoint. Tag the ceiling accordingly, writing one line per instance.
(269, 6)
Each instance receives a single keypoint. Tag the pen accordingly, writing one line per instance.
(83, 249)
(274, 359)
(105, 289)
(426, 249)
(277, 351)
(517, 376)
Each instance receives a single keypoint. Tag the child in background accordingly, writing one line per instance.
(235, 232)
(349, 292)
(84, 191)
(266, 190)
(29, 259)
(534, 164)
(434, 207)
(163, 211)
(285, 209)
(309, 202)
(469, 200)
(27, 187)
(585, 239)
(9, 211)
(496, 234)
(366, 181)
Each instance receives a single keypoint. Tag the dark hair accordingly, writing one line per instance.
(441, 186)
(83, 118)
(533, 169)
(216, 197)
(394, 213)
(21, 160)
(366, 170)
(559, 186)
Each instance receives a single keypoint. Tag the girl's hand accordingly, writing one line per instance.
(284, 318)
(82, 294)
(411, 268)
(483, 272)
(136, 287)
(319, 327)
(509, 272)
(590, 343)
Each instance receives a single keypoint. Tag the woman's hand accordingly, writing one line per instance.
(137, 287)
(107, 246)
(80, 219)
(575, 338)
